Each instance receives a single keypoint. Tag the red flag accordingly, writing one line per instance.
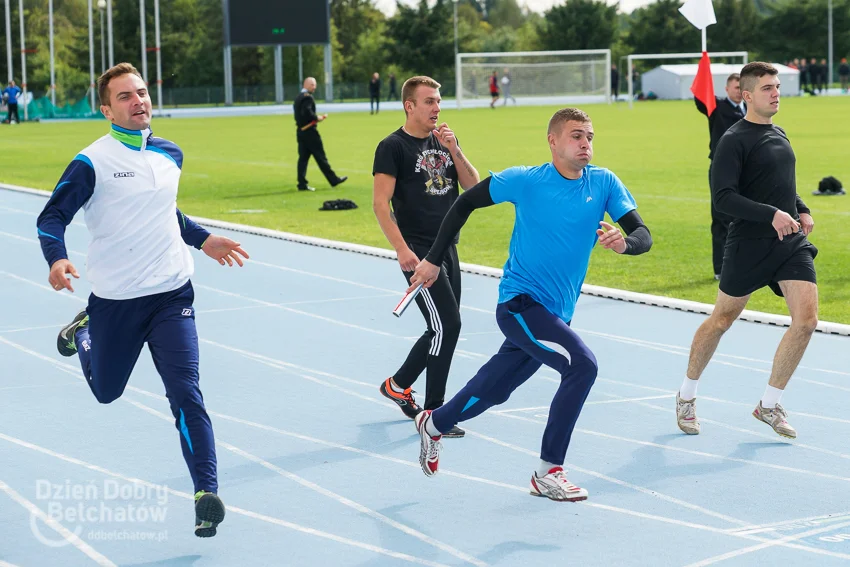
(703, 85)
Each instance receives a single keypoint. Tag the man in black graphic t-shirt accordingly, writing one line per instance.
(753, 181)
(419, 169)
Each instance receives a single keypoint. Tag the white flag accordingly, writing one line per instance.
(699, 12)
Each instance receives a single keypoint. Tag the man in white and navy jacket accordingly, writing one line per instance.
(139, 268)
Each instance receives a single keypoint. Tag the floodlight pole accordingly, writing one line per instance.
(23, 58)
(52, 61)
(300, 66)
(109, 33)
(9, 69)
(454, 2)
(143, 34)
(228, 61)
(158, 55)
(101, 6)
(91, 55)
(278, 74)
(829, 49)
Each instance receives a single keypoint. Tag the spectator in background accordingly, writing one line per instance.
(375, 94)
(393, 94)
(816, 73)
(494, 89)
(615, 81)
(11, 93)
(804, 76)
(824, 75)
(844, 75)
(506, 86)
(635, 81)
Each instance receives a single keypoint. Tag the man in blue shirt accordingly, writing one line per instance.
(559, 210)
(11, 93)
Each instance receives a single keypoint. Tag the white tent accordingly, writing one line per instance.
(673, 82)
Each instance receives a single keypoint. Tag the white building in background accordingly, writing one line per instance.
(673, 82)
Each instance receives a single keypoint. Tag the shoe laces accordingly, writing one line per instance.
(408, 397)
(561, 477)
(434, 448)
(779, 412)
(687, 409)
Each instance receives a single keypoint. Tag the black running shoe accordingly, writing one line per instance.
(66, 342)
(209, 513)
(454, 433)
(405, 400)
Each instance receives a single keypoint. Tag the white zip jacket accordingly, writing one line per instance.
(126, 182)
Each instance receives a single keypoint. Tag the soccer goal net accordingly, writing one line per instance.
(534, 77)
(676, 68)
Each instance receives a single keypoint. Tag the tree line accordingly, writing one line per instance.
(415, 39)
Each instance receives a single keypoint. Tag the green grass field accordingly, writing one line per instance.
(658, 149)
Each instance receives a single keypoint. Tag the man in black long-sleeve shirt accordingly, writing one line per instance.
(753, 181)
(726, 113)
(309, 141)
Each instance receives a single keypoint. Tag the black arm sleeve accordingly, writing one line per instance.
(700, 106)
(801, 206)
(476, 197)
(725, 178)
(638, 238)
(308, 109)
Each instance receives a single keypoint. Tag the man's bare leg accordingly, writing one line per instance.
(726, 310)
(802, 300)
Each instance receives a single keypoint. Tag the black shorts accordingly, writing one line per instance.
(494, 94)
(751, 264)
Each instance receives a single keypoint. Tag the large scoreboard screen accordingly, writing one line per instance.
(273, 22)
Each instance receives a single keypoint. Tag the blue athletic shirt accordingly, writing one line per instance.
(555, 230)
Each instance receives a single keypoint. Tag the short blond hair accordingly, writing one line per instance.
(408, 89)
(565, 115)
(116, 71)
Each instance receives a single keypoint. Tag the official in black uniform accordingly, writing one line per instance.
(419, 169)
(375, 94)
(727, 112)
(309, 141)
(753, 181)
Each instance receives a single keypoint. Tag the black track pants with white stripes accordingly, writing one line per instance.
(433, 351)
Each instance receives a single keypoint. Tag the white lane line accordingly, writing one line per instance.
(69, 536)
(765, 545)
(241, 511)
(327, 493)
(495, 483)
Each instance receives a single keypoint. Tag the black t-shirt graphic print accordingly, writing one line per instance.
(426, 183)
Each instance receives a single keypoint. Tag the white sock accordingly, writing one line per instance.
(771, 397)
(430, 428)
(688, 391)
(394, 387)
(544, 468)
